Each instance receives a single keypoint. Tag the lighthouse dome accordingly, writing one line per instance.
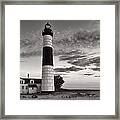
(47, 30)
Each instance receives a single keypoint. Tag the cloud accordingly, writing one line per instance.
(68, 69)
(83, 59)
(96, 69)
(86, 62)
(88, 74)
(63, 42)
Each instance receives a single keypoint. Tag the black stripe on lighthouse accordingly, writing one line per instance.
(47, 56)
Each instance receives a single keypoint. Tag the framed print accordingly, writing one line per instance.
(59, 60)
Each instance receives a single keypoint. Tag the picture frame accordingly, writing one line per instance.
(70, 2)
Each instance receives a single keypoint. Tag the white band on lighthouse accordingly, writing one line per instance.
(47, 41)
(47, 78)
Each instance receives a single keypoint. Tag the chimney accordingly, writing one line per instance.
(28, 75)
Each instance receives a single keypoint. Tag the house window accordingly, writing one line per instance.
(21, 81)
(26, 87)
(22, 87)
(32, 81)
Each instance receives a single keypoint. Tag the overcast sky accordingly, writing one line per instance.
(27, 26)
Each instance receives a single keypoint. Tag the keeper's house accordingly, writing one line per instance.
(30, 85)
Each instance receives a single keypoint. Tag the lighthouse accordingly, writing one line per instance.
(47, 60)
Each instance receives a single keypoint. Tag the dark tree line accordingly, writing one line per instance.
(58, 81)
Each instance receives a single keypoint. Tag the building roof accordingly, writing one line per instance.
(36, 80)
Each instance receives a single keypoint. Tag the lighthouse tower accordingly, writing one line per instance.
(47, 61)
